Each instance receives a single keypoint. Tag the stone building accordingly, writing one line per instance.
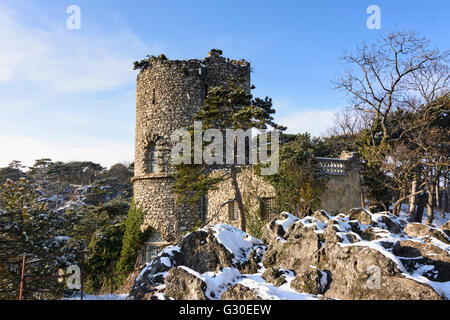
(169, 94)
(342, 191)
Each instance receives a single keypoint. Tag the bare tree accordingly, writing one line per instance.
(380, 75)
(397, 84)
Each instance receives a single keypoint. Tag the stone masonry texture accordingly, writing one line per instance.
(169, 94)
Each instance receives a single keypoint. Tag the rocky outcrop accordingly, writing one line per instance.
(446, 228)
(311, 280)
(277, 276)
(202, 252)
(356, 256)
(152, 276)
(239, 292)
(421, 230)
(183, 285)
(205, 250)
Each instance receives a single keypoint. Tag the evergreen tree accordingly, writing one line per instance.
(103, 253)
(225, 107)
(12, 172)
(132, 239)
(300, 181)
(28, 227)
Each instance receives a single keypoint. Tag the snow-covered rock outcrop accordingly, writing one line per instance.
(360, 255)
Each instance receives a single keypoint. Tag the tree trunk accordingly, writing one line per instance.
(430, 213)
(420, 208)
(446, 194)
(396, 208)
(397, 205)
(412, 199)
(238, 197)
(438, 206)
(363, 204)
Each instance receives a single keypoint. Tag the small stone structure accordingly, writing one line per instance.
(169, 94)
(343, 189)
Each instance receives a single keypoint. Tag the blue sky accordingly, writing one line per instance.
(70, 94)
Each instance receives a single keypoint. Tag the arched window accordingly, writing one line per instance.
(152, 159)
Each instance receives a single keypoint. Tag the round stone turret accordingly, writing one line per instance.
(169, 94)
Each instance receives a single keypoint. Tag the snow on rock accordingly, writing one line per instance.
(216, 283)
(213, 262)
(288, 220)
(165, 257)
(268, 291)
(235, 241)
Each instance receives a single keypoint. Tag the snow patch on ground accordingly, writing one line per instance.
(268, 291)
(438, 221)
(100, 297)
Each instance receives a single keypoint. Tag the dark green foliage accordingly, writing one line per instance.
(132, 239)
(93, 218)
(145, 63)
(11, 174)
(333, 145)
(372, 147)
(225, 107)
(257, 220)
(103, 254)
(115, 209)
(121, 172)
(141, 65)
(60, 174)
(299, 181)
(29, 222)
(107, 189)
(27, 226)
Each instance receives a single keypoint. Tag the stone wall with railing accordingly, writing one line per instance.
(343, 189)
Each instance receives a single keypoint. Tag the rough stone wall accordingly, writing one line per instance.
(252, 188)
(343, 192)
(169, 94)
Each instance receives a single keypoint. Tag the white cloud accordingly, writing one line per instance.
(27, 149)
(54, 71)
(314, 122)
(64, 60)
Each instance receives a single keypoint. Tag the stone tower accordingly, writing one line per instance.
(169, 93)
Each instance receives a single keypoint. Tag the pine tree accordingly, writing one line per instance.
(132, 239)
(225, 107)
(300, 181)
(28, 227)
